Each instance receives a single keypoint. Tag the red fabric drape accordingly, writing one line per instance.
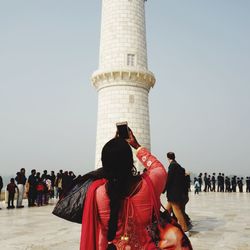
(90, 225)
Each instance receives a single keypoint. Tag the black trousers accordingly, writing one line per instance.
(11, 199)
(32, 196)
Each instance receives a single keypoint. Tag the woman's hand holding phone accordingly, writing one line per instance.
(132, 140)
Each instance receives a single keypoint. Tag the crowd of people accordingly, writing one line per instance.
(220, 183)
(122, 189)
(39, 188)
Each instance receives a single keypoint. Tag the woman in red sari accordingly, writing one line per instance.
(119, 208)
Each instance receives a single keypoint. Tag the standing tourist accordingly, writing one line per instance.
(240, 184)
(234, 183)
(248, 184)
(196, 186)
(206, 182)
(66, 181)
(209, 188)
(48, 190)
(58, 184)
(200, 181)
(219, 182)
(227, 184)
(47, 186)
(11, 188)
(40, 186)
(222, 183)
(56, 188)
(176, 190)
(1, 186)
(21, 181)
(32, 188)
(213, 180)
(188, 181)
(53, 179)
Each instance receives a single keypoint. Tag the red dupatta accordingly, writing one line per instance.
(90, 225)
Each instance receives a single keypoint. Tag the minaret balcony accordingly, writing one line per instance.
(142, 79)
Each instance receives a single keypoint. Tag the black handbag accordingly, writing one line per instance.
(70, 206)
(163, 227)
(163, 224)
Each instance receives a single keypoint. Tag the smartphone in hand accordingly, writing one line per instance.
(122, 128)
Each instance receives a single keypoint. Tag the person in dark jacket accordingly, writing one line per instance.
(240, 184)
(32, 188)
(200, 181)
(248, 184)
(11, 188)
(66, 181)
(20, 181)
(53, 179)
(234, 183)
(213, 179)
(1, 185)
(176, 190)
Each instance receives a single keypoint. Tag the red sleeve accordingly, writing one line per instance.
(155, 169)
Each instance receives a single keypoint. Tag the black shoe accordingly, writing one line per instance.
(20, 207)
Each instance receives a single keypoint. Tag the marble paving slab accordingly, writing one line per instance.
(221, 222)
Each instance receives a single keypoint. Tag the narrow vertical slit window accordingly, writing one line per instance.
(131, 60)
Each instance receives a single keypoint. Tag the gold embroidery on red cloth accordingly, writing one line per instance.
(130, 238)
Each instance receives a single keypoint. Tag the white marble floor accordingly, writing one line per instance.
(221, 222)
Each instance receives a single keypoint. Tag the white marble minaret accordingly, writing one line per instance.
(123, 80)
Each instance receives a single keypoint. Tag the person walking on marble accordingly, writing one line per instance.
(175, 188)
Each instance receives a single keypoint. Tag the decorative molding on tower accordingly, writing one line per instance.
(142, 79)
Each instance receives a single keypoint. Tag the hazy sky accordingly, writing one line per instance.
(198, 50)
